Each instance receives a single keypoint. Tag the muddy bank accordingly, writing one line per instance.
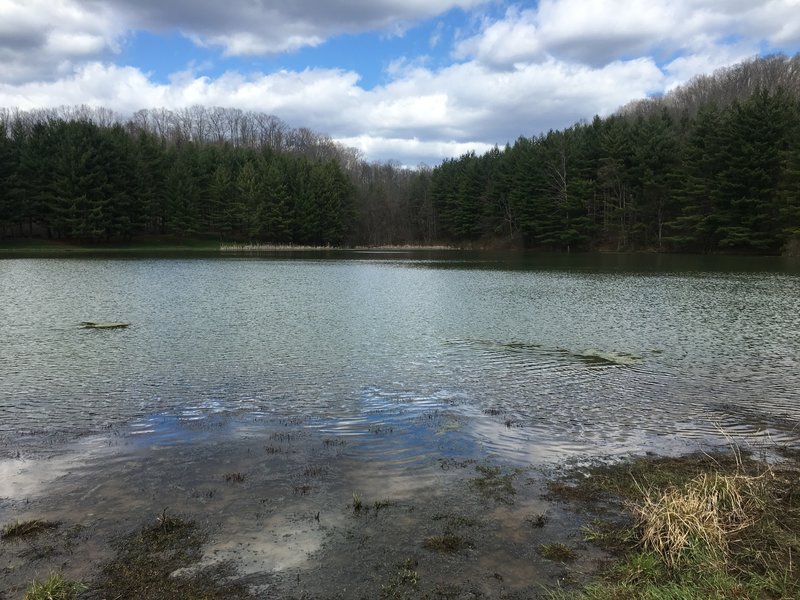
(288, 509)
(297, 511)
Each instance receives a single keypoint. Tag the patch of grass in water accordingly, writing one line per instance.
(313, 471)
(494, 484)
(600, 357)
(55, 587)
(538, 520)
(333, 442)
(381, 504)
(558, 552)
(611, 482)
(404, 583)
(25, 529)
(302, 490)
(147, 566)
(447, 543)
(610, 536)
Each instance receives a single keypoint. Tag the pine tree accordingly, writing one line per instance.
(655, 162)
(250, 187)
(747, 211)
(694, 227)
(221, 194)
(275, 218)
(788, 195)
(8, 169)
(150, 162)
(179, 215)
(618, 203)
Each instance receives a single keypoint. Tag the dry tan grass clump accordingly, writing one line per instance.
(699, 520)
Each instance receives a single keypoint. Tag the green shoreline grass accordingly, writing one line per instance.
(698, 526)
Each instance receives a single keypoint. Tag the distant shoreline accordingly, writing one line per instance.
(31, 248)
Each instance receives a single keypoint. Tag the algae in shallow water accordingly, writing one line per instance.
(607, 357)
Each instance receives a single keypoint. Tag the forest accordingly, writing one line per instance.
(712, 166)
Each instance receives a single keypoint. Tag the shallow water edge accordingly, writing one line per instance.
(277, 497)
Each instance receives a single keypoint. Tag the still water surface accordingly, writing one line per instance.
(540, 356)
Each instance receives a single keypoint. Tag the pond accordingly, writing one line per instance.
(570, 354)
(262, 394)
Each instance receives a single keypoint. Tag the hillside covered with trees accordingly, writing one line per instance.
(713, 166)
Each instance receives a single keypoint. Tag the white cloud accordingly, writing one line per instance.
(410, 152)
(505, 42)
(602, 31)
(684, 68)
(523, 73)
(45, 38)
(464, 105)
(253, 27)
(778, 21)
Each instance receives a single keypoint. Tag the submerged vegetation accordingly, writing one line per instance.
(25, 529)
(160, 561)
(557, 551)
(698, 526)
(722, 526)
(494, 484)
(713, 166)
(447, 543)
(55, 587)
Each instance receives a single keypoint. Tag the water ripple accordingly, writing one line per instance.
(403, 359)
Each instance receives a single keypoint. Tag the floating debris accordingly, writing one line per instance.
(103, 325)
(602, 356)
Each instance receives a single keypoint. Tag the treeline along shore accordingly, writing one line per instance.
(713, 166)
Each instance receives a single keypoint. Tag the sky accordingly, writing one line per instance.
(407, 80)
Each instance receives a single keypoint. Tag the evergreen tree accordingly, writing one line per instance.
(275, 223)
(747, 212)
(788, 195)
(445, 187)
(180, 214)
(221, 193)
(250, 187)
(693, 227)
(8, 169)
(655, 162)
(613, 182)
(562, 218)
(150, 162)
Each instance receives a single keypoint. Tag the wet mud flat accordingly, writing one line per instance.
(285, 509)
(258, 507)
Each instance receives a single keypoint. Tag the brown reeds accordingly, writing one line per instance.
(701, 518)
